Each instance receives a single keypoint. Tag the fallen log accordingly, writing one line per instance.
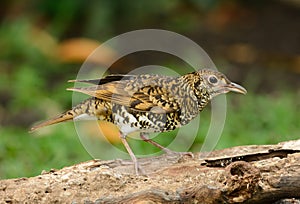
(244, 174)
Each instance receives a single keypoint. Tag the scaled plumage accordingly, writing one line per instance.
(147, 103)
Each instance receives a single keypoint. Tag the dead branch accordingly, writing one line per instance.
(245, 174)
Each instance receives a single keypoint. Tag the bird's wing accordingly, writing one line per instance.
(107, 79)
(140, 95)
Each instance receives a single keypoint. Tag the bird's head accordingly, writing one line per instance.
(215, 83)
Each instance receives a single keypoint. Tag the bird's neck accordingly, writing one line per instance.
(203, 100)
(200, 93)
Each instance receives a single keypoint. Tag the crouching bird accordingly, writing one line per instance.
(147, 103)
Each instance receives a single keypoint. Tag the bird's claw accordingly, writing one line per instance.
(173, 153)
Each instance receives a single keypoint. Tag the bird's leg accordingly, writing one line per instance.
(131, 154)
(147, 139)
(166, 150)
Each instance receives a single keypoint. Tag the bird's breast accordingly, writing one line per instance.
(130, 121)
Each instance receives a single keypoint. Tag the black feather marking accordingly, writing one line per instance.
(135, 103)
(107, 79)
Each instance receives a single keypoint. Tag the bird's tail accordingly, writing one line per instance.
(89, 109)
(68, 115)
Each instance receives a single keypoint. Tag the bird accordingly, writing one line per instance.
(146, 103)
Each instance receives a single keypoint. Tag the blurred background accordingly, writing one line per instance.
(44, 42)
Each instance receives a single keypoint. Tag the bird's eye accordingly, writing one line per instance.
(212, 79)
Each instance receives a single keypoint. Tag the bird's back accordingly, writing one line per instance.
(148, 103)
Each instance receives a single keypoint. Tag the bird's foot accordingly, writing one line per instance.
(181, 154)
(138, 169)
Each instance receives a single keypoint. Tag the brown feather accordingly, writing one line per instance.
(141, 99)
(60, 118)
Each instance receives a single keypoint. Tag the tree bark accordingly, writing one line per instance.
(245, 174)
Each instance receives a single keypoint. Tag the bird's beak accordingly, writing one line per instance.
(236, 88)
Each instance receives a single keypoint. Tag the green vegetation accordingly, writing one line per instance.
(261, 119)
(23, 154)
